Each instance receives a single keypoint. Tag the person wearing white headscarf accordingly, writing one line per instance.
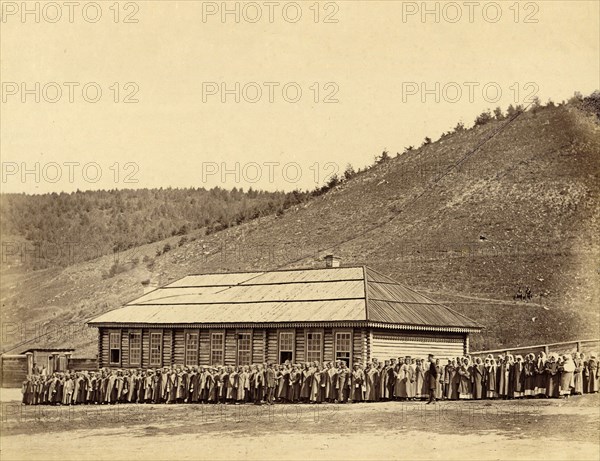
(491, 379)
(552, 376)
(567, 369)
(540, 375)
(465, 387)
(530, 375)
(518, 377)
(578, 374)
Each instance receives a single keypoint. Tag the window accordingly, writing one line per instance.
(244, 344)
(343, 346)
(286, 346)
(114, 345)
(135, 348)
(314, 347)
(217, 342)
(191, 348)
(156, 349)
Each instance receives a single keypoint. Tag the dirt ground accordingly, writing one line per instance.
(528, 429)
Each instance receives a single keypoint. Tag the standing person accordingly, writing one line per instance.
(294, 390)
(212, 385)
(518, 378)
(330, 373)
(27, 390)
(433, 374)
(156, 387)
(491, 380)
(452, 388)
(410, 378)
(447, 378)
(232, 384)
(401, 376)
(478, 379)
(370, 383)
(503, 375)
(529, 371)
(540, 375)
(383, 381)
(420, 384)
(439, 390)
(567, 370)
(148, 380)
(552, 378)
(465, 386)
(68, 390)
(315, 386)
(307, 373)
(118, 389)
(510, 362)
(242, 389)
(358, 384)
(593, 373)
(343, 383)
(283, 390)
(577, 374)
(259, 384)
(271, 383)
(223, 383)
(193, 389)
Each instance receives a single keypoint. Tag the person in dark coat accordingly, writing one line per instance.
(518, 377)
(552, 377)
(343, 384)
(433, 375)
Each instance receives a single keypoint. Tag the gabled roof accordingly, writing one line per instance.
(341, 294)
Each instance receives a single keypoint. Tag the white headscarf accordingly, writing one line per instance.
(569, 365)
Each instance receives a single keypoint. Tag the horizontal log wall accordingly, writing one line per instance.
(366, 345)
(14, 370)
(386, 344)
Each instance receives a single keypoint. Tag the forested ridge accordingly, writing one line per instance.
(116, 220)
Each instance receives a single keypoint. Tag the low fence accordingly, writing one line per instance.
(585, 345)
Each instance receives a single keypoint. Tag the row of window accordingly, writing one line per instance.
(286, 347)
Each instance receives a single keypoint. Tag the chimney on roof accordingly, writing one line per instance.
(332, 261)
(149, 285)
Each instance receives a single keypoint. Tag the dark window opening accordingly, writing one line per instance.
(286, 355)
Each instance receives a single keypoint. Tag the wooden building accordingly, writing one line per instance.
(335, 313)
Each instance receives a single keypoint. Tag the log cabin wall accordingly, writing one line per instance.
(366, 344)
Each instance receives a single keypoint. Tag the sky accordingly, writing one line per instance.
(269, 95)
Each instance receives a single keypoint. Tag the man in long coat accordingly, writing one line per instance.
(433, 374)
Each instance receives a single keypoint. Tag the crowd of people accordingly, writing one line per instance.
(404, 378)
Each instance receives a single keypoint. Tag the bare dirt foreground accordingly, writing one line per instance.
(529, 429)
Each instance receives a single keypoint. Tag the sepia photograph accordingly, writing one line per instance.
(299, 230)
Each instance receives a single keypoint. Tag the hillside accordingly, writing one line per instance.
(522, 210)
(70, 228)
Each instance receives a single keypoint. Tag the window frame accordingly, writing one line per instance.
(212, 349)
(237, 346)
(196, 351)
(140, 347)
(111, 348)
(321, 349)
(162, 344)
(293, 350)
(335, 345)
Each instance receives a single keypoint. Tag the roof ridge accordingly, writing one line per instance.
(292, 269)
